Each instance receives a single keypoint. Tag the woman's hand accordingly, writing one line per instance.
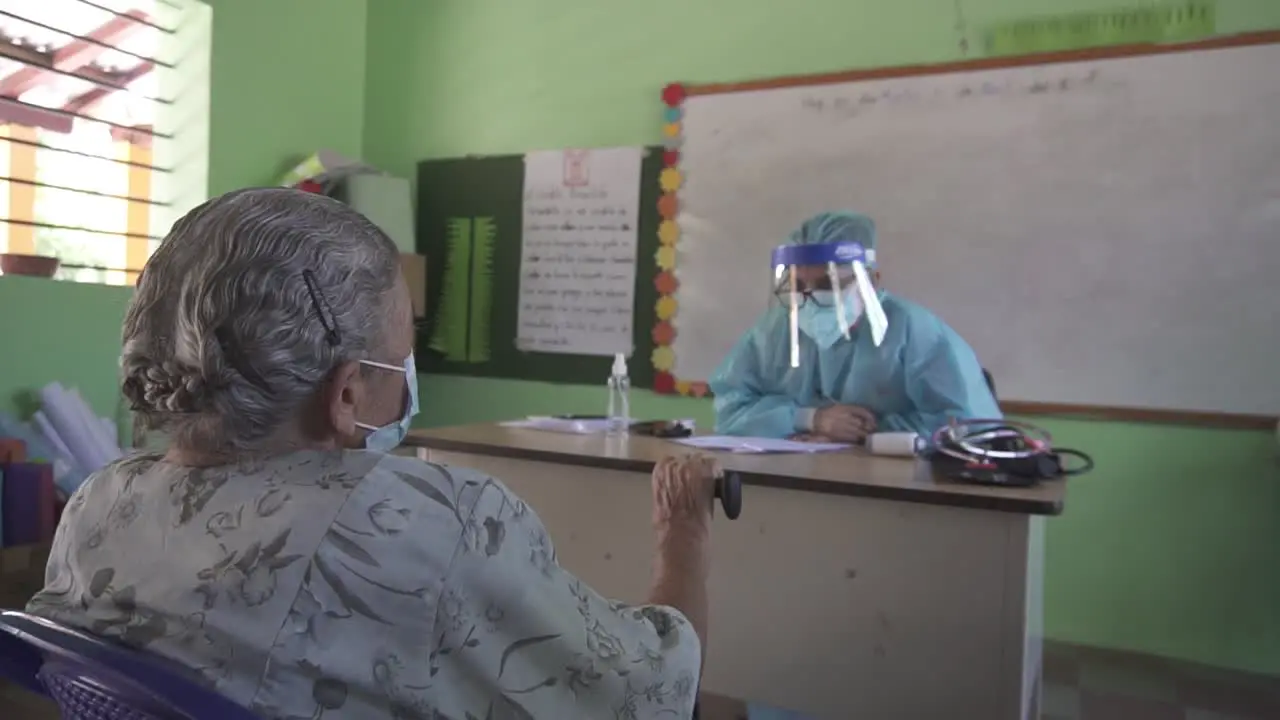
(683, 491)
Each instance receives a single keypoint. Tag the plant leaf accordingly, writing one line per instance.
(101, 581)
(479, 324)
(520, 645)
(350, 600)
(351, 548)
(274, 547)
(427, 489)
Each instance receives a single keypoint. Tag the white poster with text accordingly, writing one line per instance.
(578, 254)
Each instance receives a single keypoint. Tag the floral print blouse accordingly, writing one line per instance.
(357, 584)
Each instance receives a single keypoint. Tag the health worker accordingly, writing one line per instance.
(837, 359)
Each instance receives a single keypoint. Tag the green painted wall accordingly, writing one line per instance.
(1173, 547)
(288, 79)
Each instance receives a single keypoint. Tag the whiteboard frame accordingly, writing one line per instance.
(664, 354)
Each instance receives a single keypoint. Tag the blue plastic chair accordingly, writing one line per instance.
(92, 679)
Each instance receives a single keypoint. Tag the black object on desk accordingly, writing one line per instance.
(665, 429)
(728, 488)
(1010, 455)
(668, 429)
(729, 493)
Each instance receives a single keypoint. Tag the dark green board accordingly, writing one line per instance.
(469, 220)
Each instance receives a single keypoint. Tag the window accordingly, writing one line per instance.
(103, 129)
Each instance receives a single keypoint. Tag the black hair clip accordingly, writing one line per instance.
(327, 319)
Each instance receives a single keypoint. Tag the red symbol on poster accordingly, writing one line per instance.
(577, 168)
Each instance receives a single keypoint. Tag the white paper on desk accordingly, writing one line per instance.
(578, 256)
(758, 445)
(560, 425)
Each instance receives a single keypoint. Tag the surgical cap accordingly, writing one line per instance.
(834, 227)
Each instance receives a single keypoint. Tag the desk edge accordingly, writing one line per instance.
(968, 501)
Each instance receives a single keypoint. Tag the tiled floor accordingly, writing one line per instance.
(1082, 683)
(1079, 684)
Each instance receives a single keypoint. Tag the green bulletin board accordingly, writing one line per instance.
(1164, 23)
(469, 222)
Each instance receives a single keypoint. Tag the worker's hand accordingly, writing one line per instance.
(844, 423)
(683, 491)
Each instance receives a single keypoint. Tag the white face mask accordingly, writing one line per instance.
(824, 324)
(389, 437)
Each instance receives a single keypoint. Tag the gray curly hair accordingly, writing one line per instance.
(224, 344)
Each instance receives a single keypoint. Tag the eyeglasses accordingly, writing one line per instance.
(820, 297)
(819, 291)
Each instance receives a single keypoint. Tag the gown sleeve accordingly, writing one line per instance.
(944, 381)
(746, 403)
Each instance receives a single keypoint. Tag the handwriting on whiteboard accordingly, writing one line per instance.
(1023, 83)
(578, 261)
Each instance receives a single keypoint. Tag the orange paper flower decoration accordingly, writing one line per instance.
(663, 333)
(665, 283)
(667, 207)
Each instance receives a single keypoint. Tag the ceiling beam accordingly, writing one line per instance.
(12, 51)
(17, 113)
(140, 136)
(83, 103)
(73, 56)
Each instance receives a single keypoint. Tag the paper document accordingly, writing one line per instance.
(578, 256)
(758, 445)
(560, 425)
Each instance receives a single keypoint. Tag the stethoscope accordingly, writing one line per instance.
(1010, 446)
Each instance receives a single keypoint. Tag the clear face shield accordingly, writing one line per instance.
(827, 289)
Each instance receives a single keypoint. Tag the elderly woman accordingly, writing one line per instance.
(280, 551)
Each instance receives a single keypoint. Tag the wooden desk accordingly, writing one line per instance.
(851, 586)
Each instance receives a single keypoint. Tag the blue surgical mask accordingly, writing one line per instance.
(389, 437)
(822, 324)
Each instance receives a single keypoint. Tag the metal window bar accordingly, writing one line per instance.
(84, 38)
(89, 118)
(134, 272)
(91, 231)
(117, 13)
(89, 74)
(79, 153)
(82, 191)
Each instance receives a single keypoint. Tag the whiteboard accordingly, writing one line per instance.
(1103, 232)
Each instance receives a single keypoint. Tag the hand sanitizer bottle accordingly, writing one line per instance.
(619, 414)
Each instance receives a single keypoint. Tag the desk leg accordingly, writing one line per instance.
(835, 606)
(1032, 627)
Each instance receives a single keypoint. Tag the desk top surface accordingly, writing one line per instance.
(851, 472)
